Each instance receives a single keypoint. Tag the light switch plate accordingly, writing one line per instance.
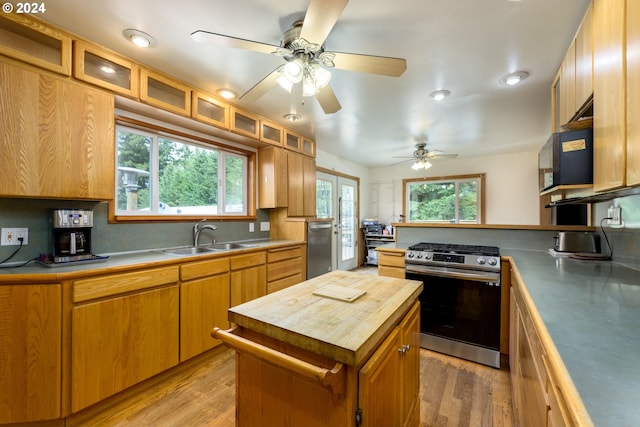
(265, 226)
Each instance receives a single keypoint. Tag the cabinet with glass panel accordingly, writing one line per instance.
(164, 92)
(97, 66)
(208, 109)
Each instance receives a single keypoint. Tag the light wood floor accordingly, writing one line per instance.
(454, 392)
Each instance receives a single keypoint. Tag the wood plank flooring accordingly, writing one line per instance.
(454, 393)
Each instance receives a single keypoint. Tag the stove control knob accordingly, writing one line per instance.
(410, 254)
(419, 255)
(493, 261)
(427, 255)
(481, 260)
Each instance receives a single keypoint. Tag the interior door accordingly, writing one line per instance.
(337, 198)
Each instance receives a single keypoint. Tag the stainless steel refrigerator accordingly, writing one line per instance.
(318, 248)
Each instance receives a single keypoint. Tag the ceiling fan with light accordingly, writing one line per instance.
(306, 70)
(421, 156)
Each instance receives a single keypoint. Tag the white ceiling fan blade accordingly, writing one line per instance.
(384, 65)
(222, 40)
(328, 100)
(441, 156)
(320, 18)
(263, 86)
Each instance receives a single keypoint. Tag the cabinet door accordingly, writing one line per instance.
(633, 93)
(121, 341)
(52, 127)
(99, 67)
(165, 92)
(247, 284)
(296, 184)
(244, 123)
(410, 368)
(208, 109)
(609, 123)
(584, 59)
(271, 133)
(203, 305)
(309, 186)
(34, 42)
(379, 385)
(272, 173)
(568, 85)
(30, 352)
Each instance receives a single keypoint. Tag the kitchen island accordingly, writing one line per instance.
(339, 349)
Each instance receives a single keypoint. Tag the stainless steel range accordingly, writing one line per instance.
(461, 299)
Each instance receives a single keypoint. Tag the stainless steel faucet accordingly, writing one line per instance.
(197, 229)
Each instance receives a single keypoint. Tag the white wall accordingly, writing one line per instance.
(511, 185)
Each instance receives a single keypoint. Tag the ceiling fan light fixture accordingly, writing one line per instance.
(439, 95)
(321, 76)
(139, 38)
(514, 78)
(309, 87)
(294, 70)
(421, 164)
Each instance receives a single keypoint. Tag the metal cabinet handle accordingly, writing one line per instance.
(404, 349)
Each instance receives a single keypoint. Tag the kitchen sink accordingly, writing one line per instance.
(230, 246)
(217, 247)
(193, 250)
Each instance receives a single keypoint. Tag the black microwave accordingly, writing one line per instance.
(566, 159)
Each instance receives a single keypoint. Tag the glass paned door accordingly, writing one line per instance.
(337, 198)
(348, 224)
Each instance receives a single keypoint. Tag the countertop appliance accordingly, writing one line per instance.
(460, 301)
(71, 233)
(318, 248)
(577, 241)
(566, 159)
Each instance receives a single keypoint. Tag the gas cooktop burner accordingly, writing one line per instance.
(456, 249)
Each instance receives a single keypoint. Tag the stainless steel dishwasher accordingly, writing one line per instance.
(318, 248)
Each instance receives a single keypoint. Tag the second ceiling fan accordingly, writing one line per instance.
(305, 72)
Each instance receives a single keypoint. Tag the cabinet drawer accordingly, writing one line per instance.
(276, 285)
(391, 260)
(210, 267)
(248, 260)
(282, 269)
(396, 272)
(113, 284)
(274, 255)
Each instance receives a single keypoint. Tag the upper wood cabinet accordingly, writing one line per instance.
(584, 60)
(609, 95)
(165, 92)
(58, 137)
(97, 66)
(245, 123)
(32, 41)
(272, 178)
(271, 133)
(308, 146)
(301, 172)
(568, 85)
(292, 141)
(208, 109)
(633, 93)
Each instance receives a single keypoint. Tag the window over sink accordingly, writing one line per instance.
(446, 200)
(161, 175)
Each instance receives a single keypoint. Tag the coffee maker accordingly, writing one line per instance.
(72, 235)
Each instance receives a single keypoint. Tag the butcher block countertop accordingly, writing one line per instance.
(341, 330)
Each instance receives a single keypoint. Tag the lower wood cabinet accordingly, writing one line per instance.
(30, 351)
(127, 335)
(391, 263)
(285, 267)
(389, 383)
(248, 277)
(204, 301)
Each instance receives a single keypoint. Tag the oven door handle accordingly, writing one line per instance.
(477, 276)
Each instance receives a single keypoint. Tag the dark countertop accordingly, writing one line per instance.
(591, 310)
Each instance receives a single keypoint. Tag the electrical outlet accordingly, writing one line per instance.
(10, 236)
(615, 213)
(251, 227)
(265, 226)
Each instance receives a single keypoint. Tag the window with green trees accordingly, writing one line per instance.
(456, 200)
(159, 174)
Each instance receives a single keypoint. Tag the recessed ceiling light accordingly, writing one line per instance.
(439, 95)
(292, 117)
(514, 78)
(139, 38)
(226, 93)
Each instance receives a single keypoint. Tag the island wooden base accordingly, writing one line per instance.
(278, 384)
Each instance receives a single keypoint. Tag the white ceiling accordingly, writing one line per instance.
(464, 46)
